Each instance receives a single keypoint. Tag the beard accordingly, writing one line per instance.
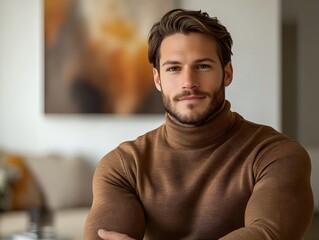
(196, 118)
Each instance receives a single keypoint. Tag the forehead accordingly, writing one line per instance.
(181, 45)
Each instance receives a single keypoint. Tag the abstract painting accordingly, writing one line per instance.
(95, 56)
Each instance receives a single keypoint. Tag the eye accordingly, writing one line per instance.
(173, 69)
(203, 66)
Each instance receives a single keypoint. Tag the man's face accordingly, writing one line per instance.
(191, 77)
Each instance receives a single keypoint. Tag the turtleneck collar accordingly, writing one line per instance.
(197, 136)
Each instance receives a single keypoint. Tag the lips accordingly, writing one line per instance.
(191, 97)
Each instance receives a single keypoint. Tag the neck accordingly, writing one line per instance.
(180, 135)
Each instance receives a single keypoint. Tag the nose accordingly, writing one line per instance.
(189, 80)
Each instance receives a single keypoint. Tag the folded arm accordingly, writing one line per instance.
(281, 205)
(116, 206)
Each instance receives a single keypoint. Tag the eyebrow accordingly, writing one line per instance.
(172, 62)
(207, 59)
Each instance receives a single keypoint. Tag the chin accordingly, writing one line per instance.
(192, 117)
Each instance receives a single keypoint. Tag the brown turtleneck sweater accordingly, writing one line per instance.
(228, 179)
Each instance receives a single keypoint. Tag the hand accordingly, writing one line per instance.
(111, 235)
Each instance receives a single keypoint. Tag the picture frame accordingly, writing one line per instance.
(96, 56)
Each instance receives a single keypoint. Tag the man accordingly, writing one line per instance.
(206, 173)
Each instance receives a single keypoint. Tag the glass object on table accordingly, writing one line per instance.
(40, 226)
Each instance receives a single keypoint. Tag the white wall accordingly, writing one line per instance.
(255, 91)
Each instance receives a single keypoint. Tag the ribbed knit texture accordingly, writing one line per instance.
(229, 178)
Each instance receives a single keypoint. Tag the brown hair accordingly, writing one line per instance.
(187, 21)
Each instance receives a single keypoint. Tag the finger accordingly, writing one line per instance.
(111, 235)
(102, 233)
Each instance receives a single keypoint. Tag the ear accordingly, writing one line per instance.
(157, 79)
(228, 76)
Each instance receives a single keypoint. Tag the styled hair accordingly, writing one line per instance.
(188, 21)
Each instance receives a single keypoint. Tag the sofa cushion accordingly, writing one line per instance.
(65, 181)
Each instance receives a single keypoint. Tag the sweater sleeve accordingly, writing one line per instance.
(115, 206)
(281, 205)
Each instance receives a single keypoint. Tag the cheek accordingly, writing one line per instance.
(170, 88)
(210, 85)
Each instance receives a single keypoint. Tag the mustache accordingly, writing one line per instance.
(191, 93)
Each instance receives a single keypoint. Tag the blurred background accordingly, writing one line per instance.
(275, 81)
(25, 127)
(95, 56)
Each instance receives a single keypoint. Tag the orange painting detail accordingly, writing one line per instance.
(96, 56)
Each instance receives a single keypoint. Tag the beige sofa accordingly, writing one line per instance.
(65, 186)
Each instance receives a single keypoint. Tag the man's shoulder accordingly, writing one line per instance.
(261, 129)
(269, 145)
(142, 142)
(263, 137)
(130, 154)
